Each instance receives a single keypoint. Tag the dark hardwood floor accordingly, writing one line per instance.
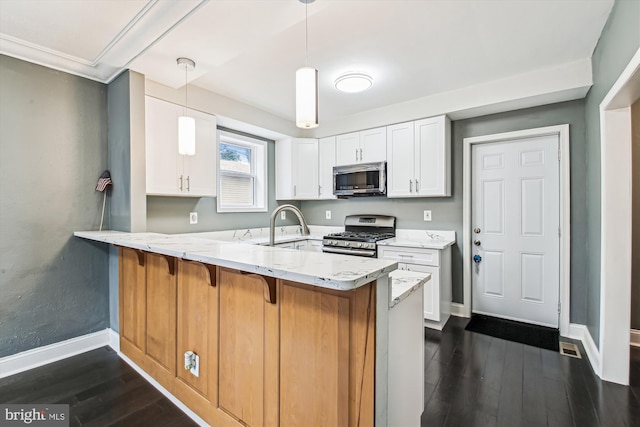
(470, 380)
(100, 389)
(476, 380)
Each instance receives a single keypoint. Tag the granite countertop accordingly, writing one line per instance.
(426, 239)
(341, 272)
(404, 283)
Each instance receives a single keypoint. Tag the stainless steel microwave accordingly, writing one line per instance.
(362, 179)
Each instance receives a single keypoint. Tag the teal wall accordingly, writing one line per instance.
(53, 148)
(447, 212)
(618, 43)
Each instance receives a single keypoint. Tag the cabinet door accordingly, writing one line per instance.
(246, 376)
(373, 145)
(132, 291)
(326, 162)
(348, 148)
(431, 290)
(161, 312)
(196, 301)
(400, 160)
(326, 356)
(432, 156)
(200, 169)
(305, 166)
(163, 163)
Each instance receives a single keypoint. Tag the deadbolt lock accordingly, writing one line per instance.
(476, 230)
(476, 242)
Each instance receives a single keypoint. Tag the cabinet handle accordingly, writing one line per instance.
(410, 186)
(361, 154)
(356, 154)
(417, 187)
(188, 183)
(294, 191)
(180, 182)
(319, 190)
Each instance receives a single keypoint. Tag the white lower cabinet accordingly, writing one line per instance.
(437, 291)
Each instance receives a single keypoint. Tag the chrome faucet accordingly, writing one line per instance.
(274, 214)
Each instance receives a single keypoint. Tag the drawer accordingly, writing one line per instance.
(410, 255)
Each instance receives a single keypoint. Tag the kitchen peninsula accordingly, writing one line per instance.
(272, 336)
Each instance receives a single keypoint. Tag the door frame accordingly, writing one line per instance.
(562, 131)
(615, 222)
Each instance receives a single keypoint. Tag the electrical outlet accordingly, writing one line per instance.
(193, 218)
(195, 368)
(283, 214)
(327, 214)
(427, 215)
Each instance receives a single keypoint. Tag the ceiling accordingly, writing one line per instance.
(249, 50)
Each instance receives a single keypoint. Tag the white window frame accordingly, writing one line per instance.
(258, 166)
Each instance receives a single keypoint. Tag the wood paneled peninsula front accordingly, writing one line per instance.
(281, 337)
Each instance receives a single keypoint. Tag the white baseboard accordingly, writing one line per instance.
(20, 362)
(635, 338)
(457, 310)
(165, 392)
(581, 333)
(114, 340)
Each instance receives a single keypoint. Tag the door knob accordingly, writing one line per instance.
(476, 230)
(476, 242)
(477, 259)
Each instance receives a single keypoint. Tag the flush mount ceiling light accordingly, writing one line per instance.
(306, 85)
(186, 124)
(353, 82)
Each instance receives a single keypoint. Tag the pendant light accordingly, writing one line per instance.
(186, 124)
(306, 85)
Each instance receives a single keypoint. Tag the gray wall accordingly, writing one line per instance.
(53, 148)
(620, 39)
(447, 212)
(171, 214)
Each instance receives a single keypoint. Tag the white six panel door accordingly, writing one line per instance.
(515, 219)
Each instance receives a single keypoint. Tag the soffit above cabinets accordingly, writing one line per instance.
(248, 50)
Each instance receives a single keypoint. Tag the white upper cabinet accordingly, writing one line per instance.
(400, 160)
(418, 158)
(297, 169)
(326, 162)
(305, 168)
(362, 147)
(169, 173)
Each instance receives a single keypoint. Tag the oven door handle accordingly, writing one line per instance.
(364, 252)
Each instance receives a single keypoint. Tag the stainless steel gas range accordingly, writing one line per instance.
(360, 235)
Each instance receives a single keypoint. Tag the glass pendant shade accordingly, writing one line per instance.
(307, 98)
(186, 136)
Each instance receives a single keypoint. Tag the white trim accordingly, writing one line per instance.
(634, 338)
(581, 333)
(565, 212)
(457, 310)
(29, 359)
(615, 225)
(164, 391)
(114, 340)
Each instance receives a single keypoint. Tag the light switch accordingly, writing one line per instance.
(327, 214)
(283, 214)
(427, 215)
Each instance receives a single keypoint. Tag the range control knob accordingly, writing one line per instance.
(358, 245)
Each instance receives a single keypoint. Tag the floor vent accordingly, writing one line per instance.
(571, 350)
